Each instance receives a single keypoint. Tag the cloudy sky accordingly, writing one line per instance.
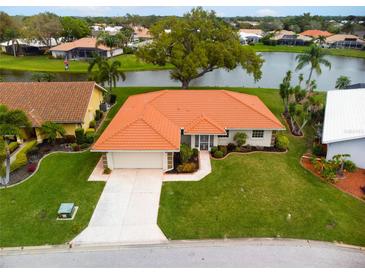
(221, 11)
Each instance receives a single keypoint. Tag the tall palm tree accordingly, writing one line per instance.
(342, 82)
(285, 90)
(11, 121)
(52, 130)
(313, 56)
(111, 41)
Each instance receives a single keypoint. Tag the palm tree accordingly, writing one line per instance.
(286, 91)
(11, 121)
(313, 56)
(321, 39)
(111, 41)
(342, 82)
(52, 130)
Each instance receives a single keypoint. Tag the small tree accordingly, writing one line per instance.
(52, 130)
(286, 90)
(185, 153)
(240, 138)
(339, 161)
(342, 82)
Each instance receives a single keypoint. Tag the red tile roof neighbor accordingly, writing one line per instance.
(60, 102)
(153, 121)
(81, 43)
(316, 33)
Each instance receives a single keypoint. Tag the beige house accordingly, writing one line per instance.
(70, 104)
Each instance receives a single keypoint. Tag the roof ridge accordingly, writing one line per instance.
(229, 93)
(201, 117)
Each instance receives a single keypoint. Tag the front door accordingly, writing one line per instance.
(204, 142)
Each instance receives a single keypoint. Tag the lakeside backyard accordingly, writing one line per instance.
(130, 62)
(256, 195)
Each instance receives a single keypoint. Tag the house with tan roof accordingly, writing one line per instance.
(141, 33)
(150, 127)
(287, 37)
(70, 104)
(345, 41)
(83, 48)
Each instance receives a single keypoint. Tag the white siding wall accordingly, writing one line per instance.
(356, 148)
(265, 141)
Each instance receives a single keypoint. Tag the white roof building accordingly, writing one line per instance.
(344, 124)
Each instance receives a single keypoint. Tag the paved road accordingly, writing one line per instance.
(229, 253)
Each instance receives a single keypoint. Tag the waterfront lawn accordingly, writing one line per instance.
(299, 49)
(28, 211)
(44, 63)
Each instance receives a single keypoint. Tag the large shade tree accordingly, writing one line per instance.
(314, 56)
(9, 31)
(198, 43)
(11, 121)
(74, 28)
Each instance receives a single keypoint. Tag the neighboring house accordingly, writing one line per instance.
(83, 48)
(354, 86)
(315, 33)
(250, 36)
(287, 37)
(345, 41)
(26, 46)
(71, 104)
(141, 33)
(113, 30)
(344, 124)
(150, 127)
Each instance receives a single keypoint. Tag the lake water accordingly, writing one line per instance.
(275, 66)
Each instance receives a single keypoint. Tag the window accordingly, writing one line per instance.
(170, 160)
(211, 140)
(196, 140)
(224, 136)
(257, 134)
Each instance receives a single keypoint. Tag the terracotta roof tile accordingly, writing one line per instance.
(316, 33)
(61, 102)
(152, 121)
(85, 42)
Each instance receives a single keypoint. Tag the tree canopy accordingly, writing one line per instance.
(74, 28)
(198, 43)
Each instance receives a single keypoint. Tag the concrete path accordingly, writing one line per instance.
(127, 210)
(15, 153)
(215, 253)
(204, 169)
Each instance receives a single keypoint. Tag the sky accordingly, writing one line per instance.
(221, 11)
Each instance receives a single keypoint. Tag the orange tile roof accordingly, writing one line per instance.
(86, 42)
(316, 33)
(152, 121)
(60, 102)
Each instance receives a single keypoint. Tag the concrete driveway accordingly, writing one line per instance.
(127, 209)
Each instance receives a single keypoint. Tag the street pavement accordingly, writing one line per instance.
(210, 253)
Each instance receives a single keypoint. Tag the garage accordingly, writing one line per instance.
(136, 159)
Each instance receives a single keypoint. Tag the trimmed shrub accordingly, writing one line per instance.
(195, 152)
(112, 99)
(84, 146)
(187, 168)
(223, 149)
(98, 115)
(92, 124)
(69, 139)
(281, 142)
(185, 153)
(89, 137)
(318, 150)
(13, 146)
(213, 150)
(240, 138)
(218, 154)
(350, 166)
(75, 147)
(231, 147)
(79, 133)
(90, 130)
(32, 167)
(107, 170)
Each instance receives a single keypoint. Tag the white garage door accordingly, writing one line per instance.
(137, 159)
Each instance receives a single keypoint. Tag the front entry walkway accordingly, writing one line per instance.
(127, 210)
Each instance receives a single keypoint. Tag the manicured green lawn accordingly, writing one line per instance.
(28, 211)
(43, 63)
(252, 195)
(298, 49)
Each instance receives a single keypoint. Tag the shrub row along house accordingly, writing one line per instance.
(149, 128)
(70, 104)
(83, 48)
(344, 124)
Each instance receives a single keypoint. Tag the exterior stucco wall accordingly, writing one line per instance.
(356, 148)
(265, 141)
(58, 54)
(69, 130)
(94, 104)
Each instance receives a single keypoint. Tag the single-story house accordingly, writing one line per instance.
(141, 33)
(345, 41)
(26, 46)
(248, 36)
(83, 48)
(150, 127)
(71, 104)
(344, 124)
(315, 33)
(287, 37)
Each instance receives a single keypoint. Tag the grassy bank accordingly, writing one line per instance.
(43, 63)
(300, 49)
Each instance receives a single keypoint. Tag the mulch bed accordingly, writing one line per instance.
(292, 130)
(351, 183)
(177, 162)
(251, 149)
